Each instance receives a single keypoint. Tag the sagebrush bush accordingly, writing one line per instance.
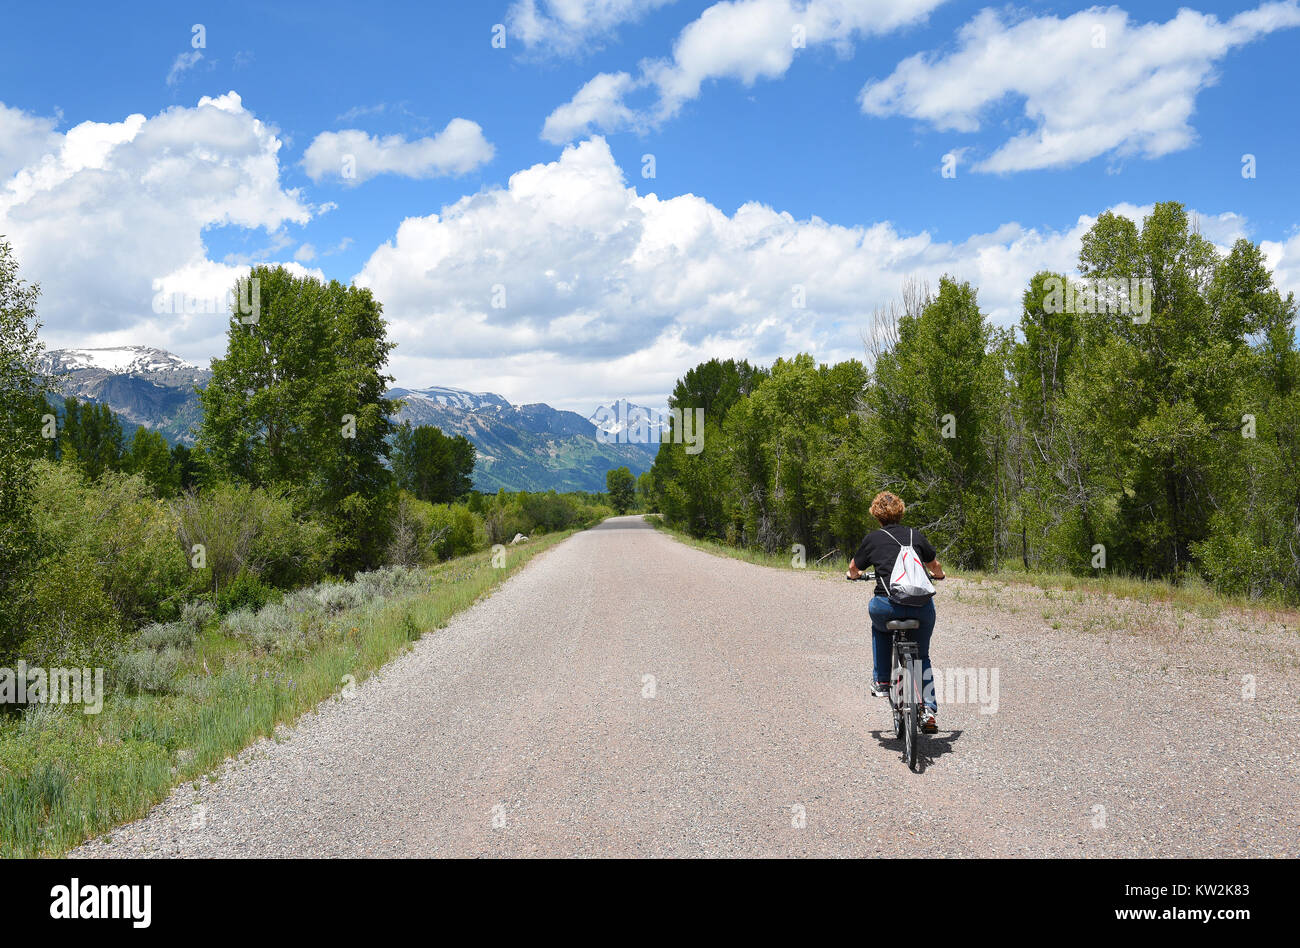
(328, 598)
(240, 623)
(148, 670)
(196, 614)
(163, 635)
(302, 618)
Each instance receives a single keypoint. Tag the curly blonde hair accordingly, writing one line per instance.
(887, 508)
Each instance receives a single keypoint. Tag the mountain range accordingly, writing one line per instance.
(520, 447)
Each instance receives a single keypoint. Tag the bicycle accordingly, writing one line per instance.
(906, 685)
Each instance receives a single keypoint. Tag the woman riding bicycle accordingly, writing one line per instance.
(879, 549)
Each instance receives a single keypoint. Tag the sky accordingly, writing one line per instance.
(572, 202)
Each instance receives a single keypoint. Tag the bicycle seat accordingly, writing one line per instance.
(900, 624)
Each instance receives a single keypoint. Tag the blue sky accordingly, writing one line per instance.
(776, 164)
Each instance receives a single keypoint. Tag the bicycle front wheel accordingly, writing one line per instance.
(911, 735)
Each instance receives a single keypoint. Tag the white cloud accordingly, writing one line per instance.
(1283, 258)
(353, 156)
(182, 64)
(1094, 83)
(110, 214)
(567, 27)
(24, 139)
(598, 104)
(746, 40)
(603, 285)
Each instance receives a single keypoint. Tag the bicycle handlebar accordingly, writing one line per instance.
(872, 575)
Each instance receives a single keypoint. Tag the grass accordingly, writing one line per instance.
(66, 776)
(1194, 596)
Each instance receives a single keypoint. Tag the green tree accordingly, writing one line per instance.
(298, 402)
(151, 457)
(188, 465)
(935, 425)
(431, 465)
(23, 390)
(621, 487)
(645, 492)
(90, 435)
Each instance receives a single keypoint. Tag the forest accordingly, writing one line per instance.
(1154, 436)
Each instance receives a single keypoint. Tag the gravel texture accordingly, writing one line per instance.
(527, 727)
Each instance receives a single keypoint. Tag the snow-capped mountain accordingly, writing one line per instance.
(624, 421)
(524, 447)
(145, 386)
(451, 398)
(119, 360)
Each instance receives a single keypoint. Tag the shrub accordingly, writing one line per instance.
(147, 670)
(454, 530)
(244, 591)
(73, 620)
(246, 529)
(129, 538)
(240, 623)
(277, 628)
(196, 614)
(326, 598)
(164, 635)
(301, 618)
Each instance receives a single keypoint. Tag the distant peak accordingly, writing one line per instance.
(120, 360)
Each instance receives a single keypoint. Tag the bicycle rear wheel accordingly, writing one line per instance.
(896, 693)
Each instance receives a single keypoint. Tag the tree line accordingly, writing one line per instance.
(298, 474)
(1159, 440)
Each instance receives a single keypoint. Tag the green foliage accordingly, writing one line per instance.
(454, 531)
(432, 466)
(621, 487)
(245, 591)
(508, 515)
(123, 537)
(73, 619)
(645, 492)
(298, 403)
(90, 435)
(1168, 445)
(151, 458)
(253, 530)
(23, 388)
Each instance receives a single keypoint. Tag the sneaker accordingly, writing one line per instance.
(928, 724)
(880, 689)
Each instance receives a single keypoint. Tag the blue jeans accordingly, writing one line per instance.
(882, 611)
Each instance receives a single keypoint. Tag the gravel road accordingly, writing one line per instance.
(628, 695)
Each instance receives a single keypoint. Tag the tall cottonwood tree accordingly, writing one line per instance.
(298, 403)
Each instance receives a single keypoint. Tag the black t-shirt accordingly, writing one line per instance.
(880, 551)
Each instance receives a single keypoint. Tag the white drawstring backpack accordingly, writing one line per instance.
(909, 583)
